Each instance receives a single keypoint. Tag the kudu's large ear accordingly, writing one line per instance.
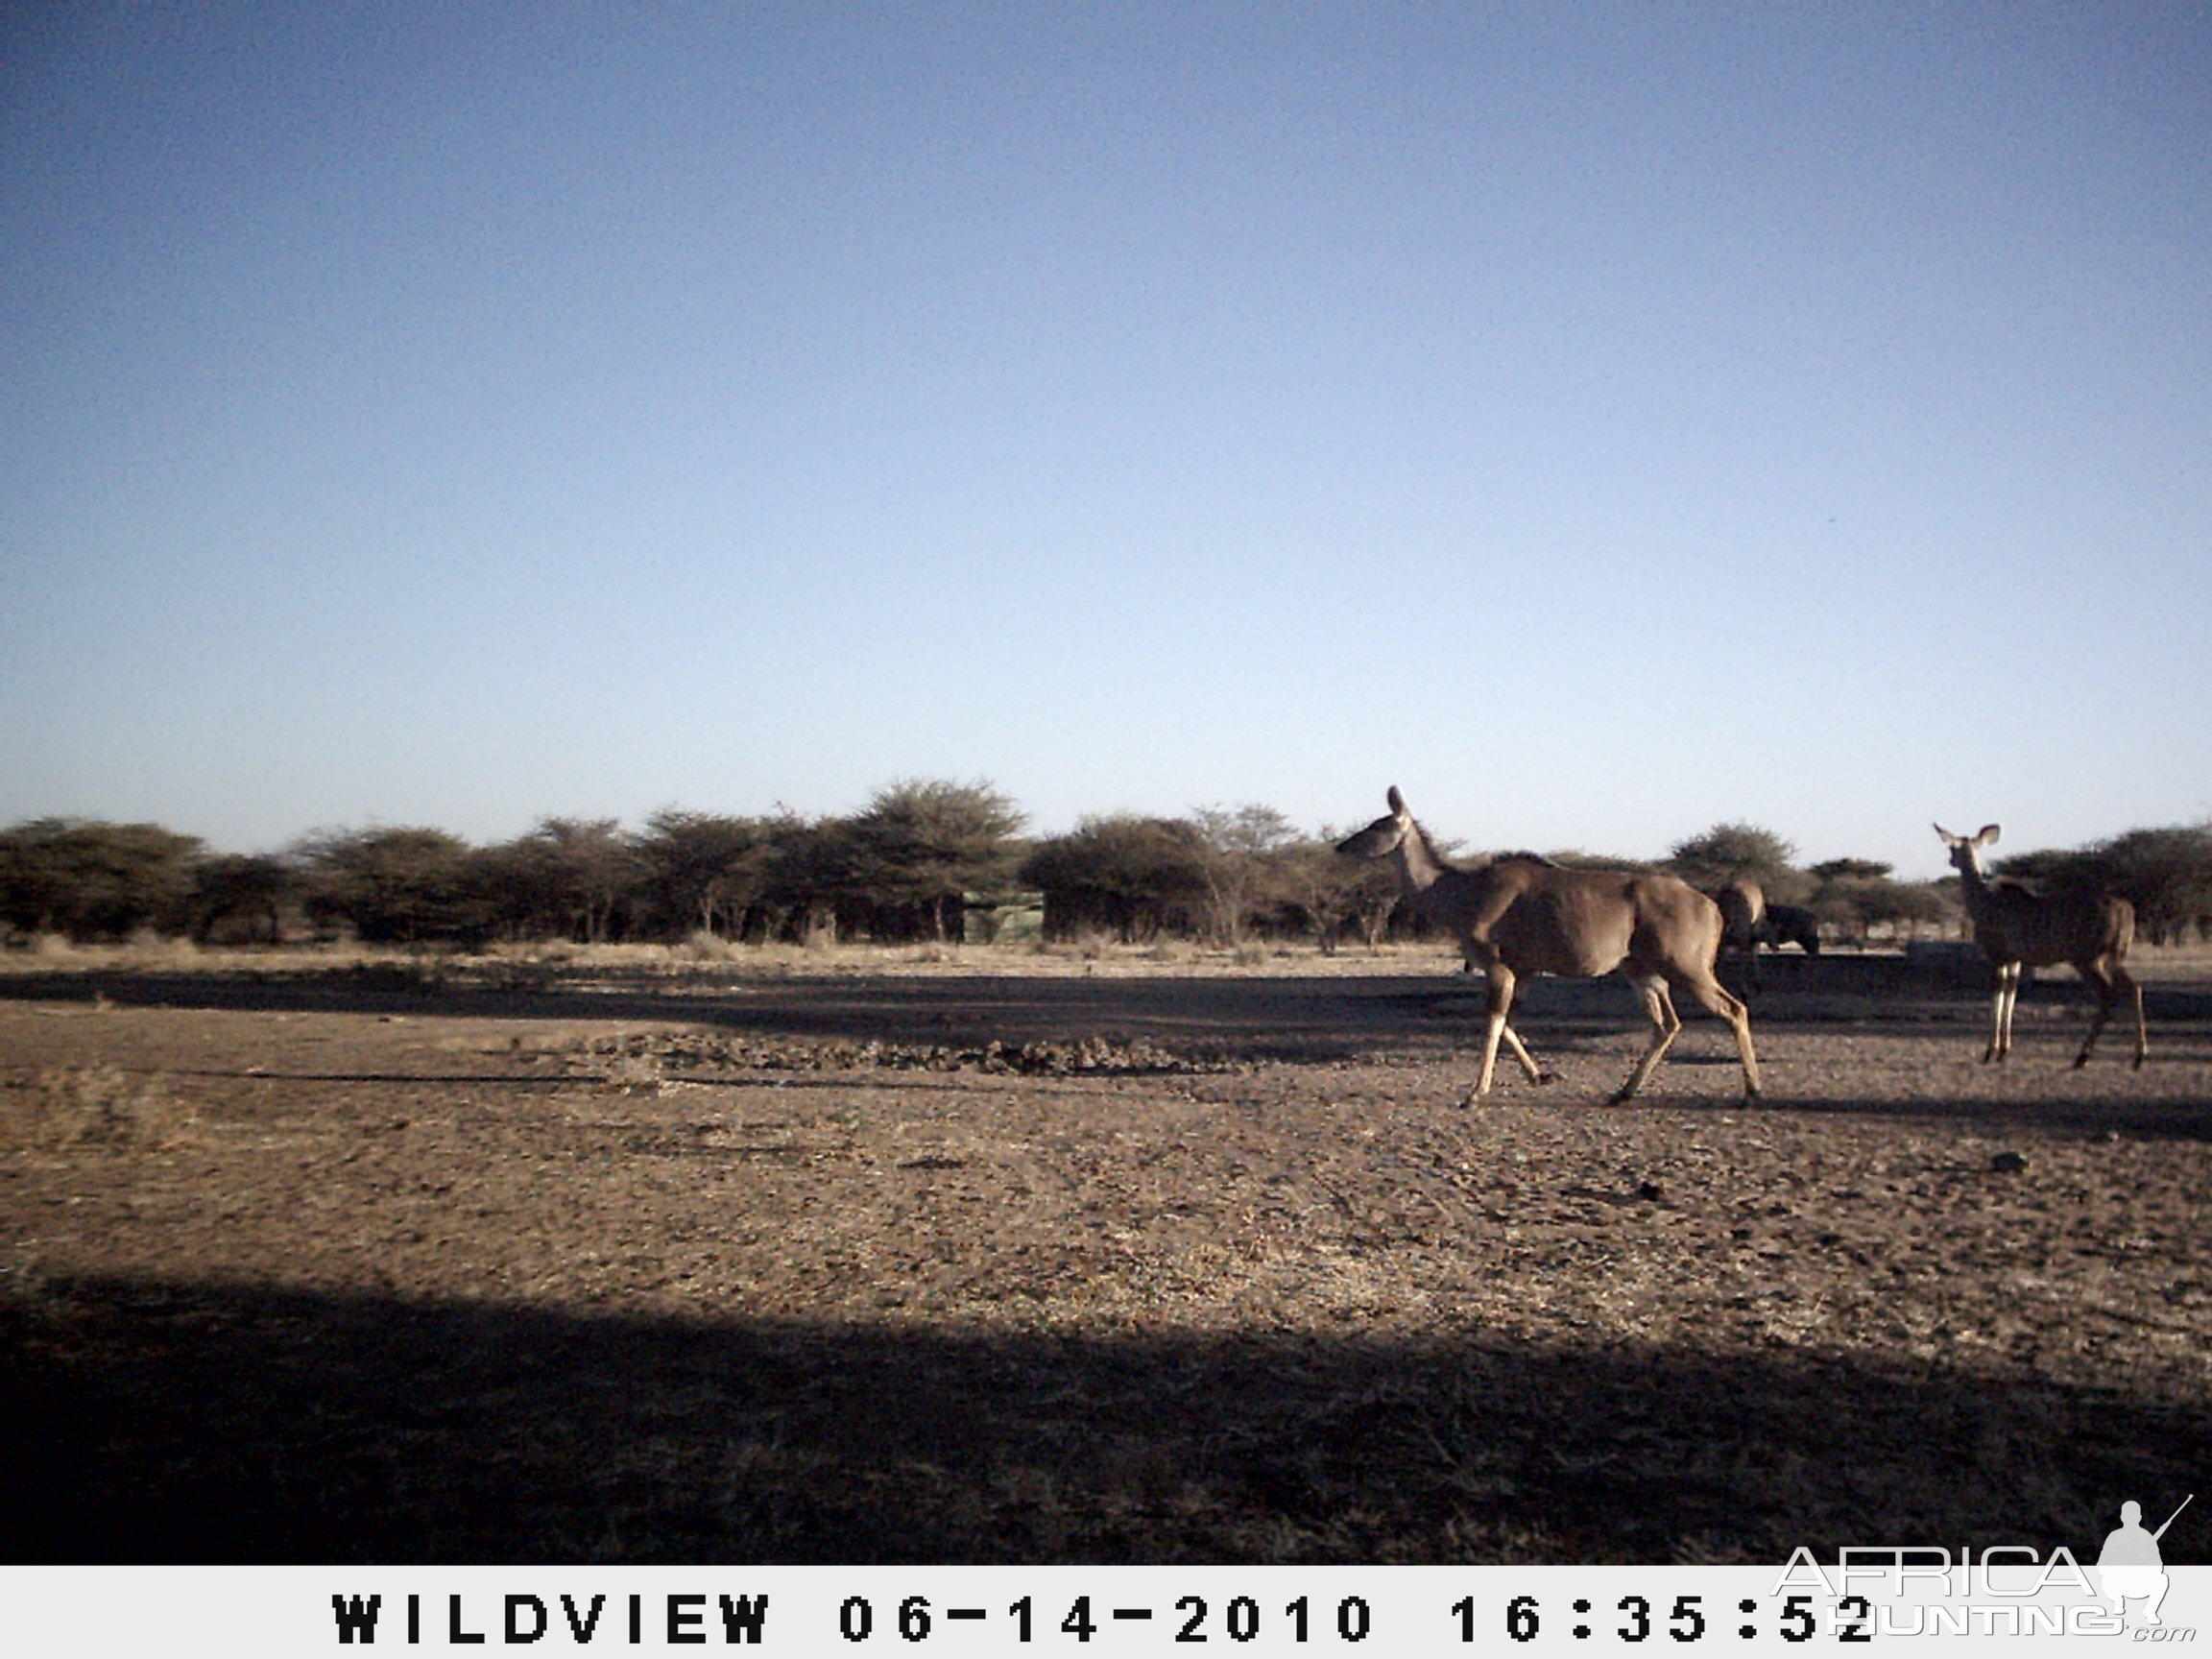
(1948, 839)
(1396, 801)
(1987, 836)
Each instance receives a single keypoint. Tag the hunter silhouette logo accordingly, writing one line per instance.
(2129, 1566)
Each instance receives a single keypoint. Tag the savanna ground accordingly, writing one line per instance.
(1000, 1256)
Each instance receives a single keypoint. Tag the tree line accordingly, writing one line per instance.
(924, 861)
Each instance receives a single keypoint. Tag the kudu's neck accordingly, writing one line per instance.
(1973, 886)
(1418, 868)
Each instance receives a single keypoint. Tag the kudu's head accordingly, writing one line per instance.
(1966, 849)
(1383, 836)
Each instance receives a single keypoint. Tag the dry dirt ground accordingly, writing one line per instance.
(981, 1263)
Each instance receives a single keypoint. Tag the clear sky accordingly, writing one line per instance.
(1600, 421)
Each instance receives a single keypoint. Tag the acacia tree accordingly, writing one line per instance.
(1239, 850)
(2165, 874)
(244, 890)
(94, 879)
(404, 885)
(1855, 895)
(705, 872)
(1331, 890)
(1131, 876)
(809, 884)
(2053, 867)
(1738, 852)
(573, 874)
(921, 847)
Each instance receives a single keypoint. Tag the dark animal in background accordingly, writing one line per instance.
(1789, 925)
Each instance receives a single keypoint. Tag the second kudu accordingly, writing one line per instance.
(2017, 925)
(1743, 908)
(1520, 915)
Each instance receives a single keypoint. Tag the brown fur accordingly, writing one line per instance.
(2019, 926)
(1518, 915)
(1743, 907)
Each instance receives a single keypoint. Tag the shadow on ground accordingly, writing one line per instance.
(160, 1422)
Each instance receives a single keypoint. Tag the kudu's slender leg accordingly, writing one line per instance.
(1715, 998)
(1499, 980)
(2001, 1012)
(1529, 1062)
(1498, 1028)
(2108, 982)
(1505, 1032)
(2014, 974)
(2093, 974)
(1665, 1024)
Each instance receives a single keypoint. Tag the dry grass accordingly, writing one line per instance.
(70, 1106)
(704, 957)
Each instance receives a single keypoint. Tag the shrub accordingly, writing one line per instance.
(92, 879)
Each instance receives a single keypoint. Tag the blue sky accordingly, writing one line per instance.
(1603, 421)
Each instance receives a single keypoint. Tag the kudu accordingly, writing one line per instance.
(1743, 908)
(1520, 915)
(2019, 926)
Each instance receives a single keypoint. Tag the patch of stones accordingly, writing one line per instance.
(674, 1051)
